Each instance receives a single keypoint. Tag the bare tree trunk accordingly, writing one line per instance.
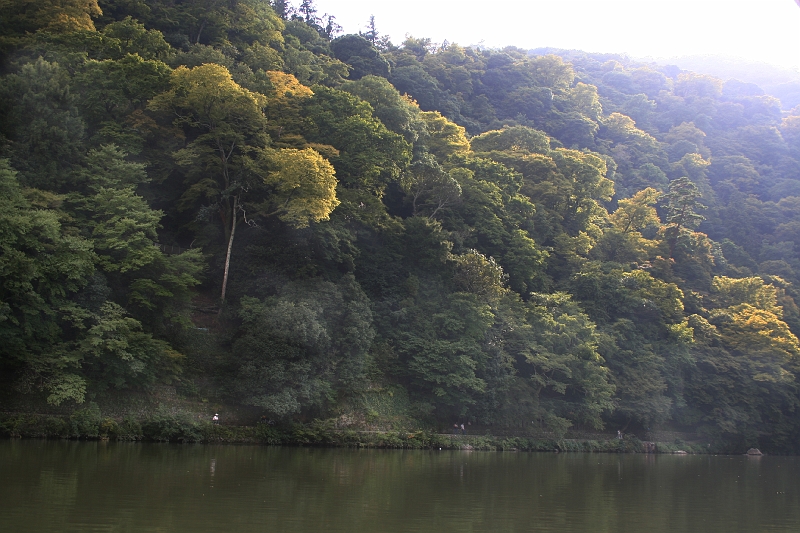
(414, 201)
(228, 254)
(199, 32)
(438, 207)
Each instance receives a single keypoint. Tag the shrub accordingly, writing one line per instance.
(128, 429)
(85, 423)
(33, 426)
(165, 426)
(53, 426)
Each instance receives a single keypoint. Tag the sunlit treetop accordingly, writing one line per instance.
(51, 16)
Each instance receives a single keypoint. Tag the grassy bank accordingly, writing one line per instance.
(163, 426)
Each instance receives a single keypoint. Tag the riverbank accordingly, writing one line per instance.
(166, 427)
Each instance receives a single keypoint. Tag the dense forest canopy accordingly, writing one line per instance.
(234, 198)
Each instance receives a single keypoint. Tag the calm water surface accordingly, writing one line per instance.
(132, 487)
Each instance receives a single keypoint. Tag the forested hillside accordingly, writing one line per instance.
(231, 197)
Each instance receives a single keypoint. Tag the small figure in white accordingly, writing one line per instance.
(619, 435)
(215, 419)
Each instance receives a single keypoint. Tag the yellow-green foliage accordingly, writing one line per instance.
(303, 185)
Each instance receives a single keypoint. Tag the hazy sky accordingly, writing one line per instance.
(766, 30)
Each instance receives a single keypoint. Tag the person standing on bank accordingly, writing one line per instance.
(215, 419)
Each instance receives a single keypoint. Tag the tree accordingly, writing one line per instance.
(491, 216)
(440, 341)
(331, 28)
(690, 85)
(228, 162)
(558, 350)
(477, 274)
(114, 94)
(301, 184)
(124, 230)
(397, 112)
(623, 242)
(636, 213)
(45, 124)
(381, 42)
(370, 156)
(445, 137)
(134, 38)
(512, 139)
(360, 54)
(430, 186)
(43, 264)
(642, 337)
(753, 291)
(411, 78)
(551, 71)
(681, 205)
(283, 108)
(282, 8)
(50, 16)
(295, 348)
(585, 99)
(117, 352)
(308, 11)
(742, 388)
(225, 124)
(639, 373)
(372, 32)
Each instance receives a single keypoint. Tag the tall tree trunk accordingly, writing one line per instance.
(228, 254)
(199, 32)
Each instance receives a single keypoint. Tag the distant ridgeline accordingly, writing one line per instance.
(407, 234)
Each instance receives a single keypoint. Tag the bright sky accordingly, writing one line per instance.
(758, 30)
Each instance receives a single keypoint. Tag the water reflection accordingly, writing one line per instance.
(96, 486)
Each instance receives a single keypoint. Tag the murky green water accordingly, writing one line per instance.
(127, 487)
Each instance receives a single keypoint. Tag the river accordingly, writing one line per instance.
(68, 486)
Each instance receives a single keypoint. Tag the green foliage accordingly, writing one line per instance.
(128, 429)
(370, 156)
(36, 426)
(445, 138)
(429, 187)
(43, 264)
(134, 38)
(397, 112)
(442, 347)
(121, 355)
(86, 422)
(295, 347)
(514, 139)
(113, 95)
(360, 55)
(43, 120)
(172, 426)
(681, 205)
(477, 274)
(566, 370)
(123, 229)
(477, 230)
(49, 16)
